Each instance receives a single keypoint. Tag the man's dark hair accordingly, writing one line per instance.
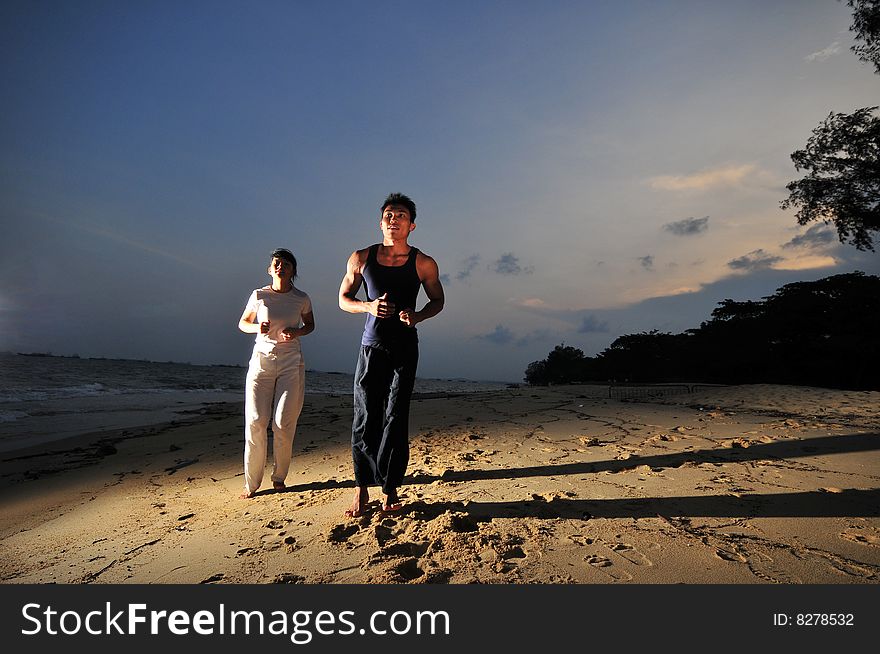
(402, 201)
(287, 255)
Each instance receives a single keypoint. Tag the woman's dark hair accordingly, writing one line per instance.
(287, 255)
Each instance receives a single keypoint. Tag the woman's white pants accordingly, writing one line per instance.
(273, 393)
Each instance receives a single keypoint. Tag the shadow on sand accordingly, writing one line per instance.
(848, 503)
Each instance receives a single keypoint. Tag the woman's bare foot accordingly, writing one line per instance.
(246, 495)
(278, 486)
(359, 504)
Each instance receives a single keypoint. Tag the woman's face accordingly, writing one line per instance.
(281, 269)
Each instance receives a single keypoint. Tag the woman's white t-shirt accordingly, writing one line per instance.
(282, 310)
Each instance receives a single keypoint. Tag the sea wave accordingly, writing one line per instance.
(12, 416)
(93, 390)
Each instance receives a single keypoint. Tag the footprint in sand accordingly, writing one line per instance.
(383, 534)
(850, 567)
(408, 570)
(605, 566)
(628, 552)
(341, 533)
(404, 571)
(872, 540)
(762, 566)
(269, 543)
(727, 555)
(515, 552)
(397, 550)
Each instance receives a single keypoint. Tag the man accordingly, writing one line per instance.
(392, 271)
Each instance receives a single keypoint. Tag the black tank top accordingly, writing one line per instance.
(402, 285)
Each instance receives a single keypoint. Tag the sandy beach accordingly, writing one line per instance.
(742, 484)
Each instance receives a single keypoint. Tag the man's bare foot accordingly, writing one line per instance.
(246, 495)
(359, 504)
(391, 502)
(278, 486)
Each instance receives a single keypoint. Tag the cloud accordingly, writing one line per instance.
(682, 290)
(536, 336)
(534, 302)
(725, 176)
(468, 266)
(444, 278)
(817, 236)
(688, 226)
(499, 336)
(825, 53)
(508, 264)
(647, 262)
(808, 262)
(591, 325)
(132, 243)
(754, 260)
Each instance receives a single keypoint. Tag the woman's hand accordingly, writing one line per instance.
(290, 333)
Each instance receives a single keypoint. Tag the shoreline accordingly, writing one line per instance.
(47, 399)
(96, 445)
(89, 437)
(528, 485)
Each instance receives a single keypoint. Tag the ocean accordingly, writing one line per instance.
(49, 398)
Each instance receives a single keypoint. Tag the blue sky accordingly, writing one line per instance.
(581, 169)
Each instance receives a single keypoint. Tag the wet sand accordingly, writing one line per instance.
(742, 484)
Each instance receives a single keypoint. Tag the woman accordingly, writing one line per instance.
(278, 314)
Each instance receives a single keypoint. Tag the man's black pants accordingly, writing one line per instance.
(383, 386)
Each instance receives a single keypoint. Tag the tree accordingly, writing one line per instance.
(842, 156)
(820, 333)
(536, 373)
(843, 184)
(646, 357)
(866, 26)
(564, 365)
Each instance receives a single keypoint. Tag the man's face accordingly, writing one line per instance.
(396, 222)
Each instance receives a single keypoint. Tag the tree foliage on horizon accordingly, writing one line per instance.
(866, 27)
(821, 333)
(842, 156)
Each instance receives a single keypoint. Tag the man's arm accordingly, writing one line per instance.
(351, 284)
(429, 274)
